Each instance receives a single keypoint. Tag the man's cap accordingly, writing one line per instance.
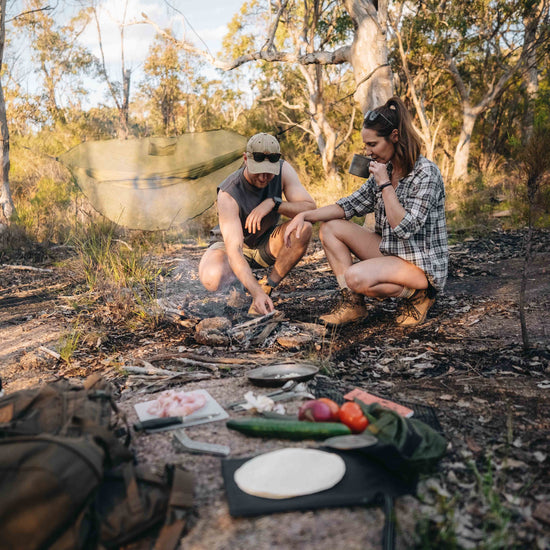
(263, 143)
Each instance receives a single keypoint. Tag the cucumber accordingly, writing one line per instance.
(287, 429)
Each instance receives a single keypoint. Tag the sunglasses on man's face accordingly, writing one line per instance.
(271, 157)
(372, 116)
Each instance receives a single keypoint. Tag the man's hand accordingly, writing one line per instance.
(295, 224)
(262, 303)
(254, 219)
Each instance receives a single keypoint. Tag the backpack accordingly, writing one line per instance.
(66, 480)
(46, 486)
(147, 498)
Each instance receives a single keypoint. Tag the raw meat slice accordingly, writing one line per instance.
(174, 403)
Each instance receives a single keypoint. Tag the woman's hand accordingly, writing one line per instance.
(295, 224)
(379, 171)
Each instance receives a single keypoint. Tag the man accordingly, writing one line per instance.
(250, 203)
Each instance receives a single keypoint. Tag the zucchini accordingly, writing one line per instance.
(287, 429)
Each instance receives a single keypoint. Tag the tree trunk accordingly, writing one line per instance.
(523, 285)
(369, 52)
(123, 130)
(325, 135)
(462, 152)
(530, 78)
(7, 208)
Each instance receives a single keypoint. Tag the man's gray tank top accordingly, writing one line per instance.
(248, 197)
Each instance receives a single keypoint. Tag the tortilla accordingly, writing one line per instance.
(289, 473)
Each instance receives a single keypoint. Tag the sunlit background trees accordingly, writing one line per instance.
(475, 75)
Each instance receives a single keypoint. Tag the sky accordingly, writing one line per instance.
(208, 18)
(204, 22)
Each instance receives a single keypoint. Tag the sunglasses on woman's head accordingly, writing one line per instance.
(271, 157)
(371, 116)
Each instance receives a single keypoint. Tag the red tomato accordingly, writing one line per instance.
(334, 408)
(352, 416)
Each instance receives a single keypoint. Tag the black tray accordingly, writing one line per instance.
(364, 483)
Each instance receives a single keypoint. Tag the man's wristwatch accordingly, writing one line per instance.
(277, 201)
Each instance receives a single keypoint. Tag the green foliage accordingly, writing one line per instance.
(496, 519)
(163, 87)
(335, 25)
(483, 38)
(61, 61)
(473, 205)
(120, 275)
(435, 533)
(68, 343)
(237, 42)
(439, 530)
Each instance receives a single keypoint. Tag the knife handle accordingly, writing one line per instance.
(156, 423)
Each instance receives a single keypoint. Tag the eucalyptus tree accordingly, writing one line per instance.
(300, 92)
(118, 90)
(6, 203)
(218, 105)
(482, 46)
(59, 58)
(312, 35)
(162, 83)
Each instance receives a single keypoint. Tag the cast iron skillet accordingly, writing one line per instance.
(277, 375)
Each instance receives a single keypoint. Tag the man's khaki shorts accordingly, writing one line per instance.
(257, 257)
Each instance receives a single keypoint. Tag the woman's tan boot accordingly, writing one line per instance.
(350, 309)
(415, 309)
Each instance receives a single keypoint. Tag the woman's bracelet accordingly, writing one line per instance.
(387, 184)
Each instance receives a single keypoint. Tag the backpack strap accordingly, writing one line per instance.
(103, 389)
(181, 500)
(132, 490)
(115, 451)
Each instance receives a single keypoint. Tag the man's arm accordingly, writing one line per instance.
(230, 227)
(297, 198)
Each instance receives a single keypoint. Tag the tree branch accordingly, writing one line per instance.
(341, 55)
(269, 43)
(350, 128)
(103, 66)
(22, 14)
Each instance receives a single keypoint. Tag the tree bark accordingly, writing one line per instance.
(369, 52)
(324, 133)
(530, 78)
(462, 152)
(7, 208)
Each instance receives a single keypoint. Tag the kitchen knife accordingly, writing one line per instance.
(171, 422)
(156, 423)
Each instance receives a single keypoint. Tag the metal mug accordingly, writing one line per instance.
(360, 166)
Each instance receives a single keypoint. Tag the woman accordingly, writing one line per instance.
(407, 255)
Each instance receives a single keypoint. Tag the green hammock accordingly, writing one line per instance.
(154, 183)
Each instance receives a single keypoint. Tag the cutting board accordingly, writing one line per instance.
(212, 409)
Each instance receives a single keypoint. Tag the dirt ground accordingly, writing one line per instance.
(491, 398)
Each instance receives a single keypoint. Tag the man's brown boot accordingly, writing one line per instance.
(350, 309)
(268, 289)
(415, 309)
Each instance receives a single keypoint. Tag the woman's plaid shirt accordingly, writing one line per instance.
(421, 237)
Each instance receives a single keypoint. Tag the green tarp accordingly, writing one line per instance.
(154, 183)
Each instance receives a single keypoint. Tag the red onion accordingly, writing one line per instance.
(315, 411)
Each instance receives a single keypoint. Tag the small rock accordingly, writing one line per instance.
(295, 341)
(213, 331)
